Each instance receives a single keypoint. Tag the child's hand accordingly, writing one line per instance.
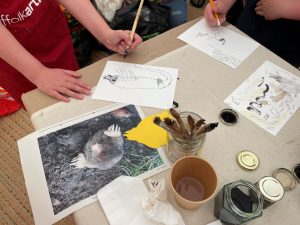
(119, 40)
(270, 9)
(61, 84)
(221, 9)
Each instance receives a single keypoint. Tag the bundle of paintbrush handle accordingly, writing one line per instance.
(177, 129)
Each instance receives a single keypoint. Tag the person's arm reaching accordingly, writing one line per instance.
(276, 9)
(221, 8)
(87, 15)
(57, 83)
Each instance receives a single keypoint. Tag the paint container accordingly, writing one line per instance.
(193, 182)
(178, 148)
(238, 202)
(271, 189)
(286, 178)
(228, 117)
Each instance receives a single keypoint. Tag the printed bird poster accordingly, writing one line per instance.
(269, 97)
(66, 164)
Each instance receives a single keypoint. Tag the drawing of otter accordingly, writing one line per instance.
(102, 151)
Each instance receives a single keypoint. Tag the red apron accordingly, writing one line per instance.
(40, 26)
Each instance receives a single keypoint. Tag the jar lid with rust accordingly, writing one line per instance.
(248, 160)
(271, 189)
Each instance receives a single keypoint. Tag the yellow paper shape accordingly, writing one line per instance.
(149, 133)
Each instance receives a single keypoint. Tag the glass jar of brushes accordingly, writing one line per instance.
(189, 145)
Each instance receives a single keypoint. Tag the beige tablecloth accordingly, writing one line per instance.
(203, 85)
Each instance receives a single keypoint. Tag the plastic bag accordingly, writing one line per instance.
(107, 8)
(154, 19)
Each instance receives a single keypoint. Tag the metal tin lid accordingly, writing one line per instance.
(228, 117)
(285, 177)
(248, 160)
(271, 189)
(296, 171)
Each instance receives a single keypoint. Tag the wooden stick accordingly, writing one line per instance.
(206, 128)
(191, 122)
(135, 23)
(184, 131)
(173, 124)
(137, 17)
(169, 129)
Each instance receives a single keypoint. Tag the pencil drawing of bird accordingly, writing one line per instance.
(103, 150)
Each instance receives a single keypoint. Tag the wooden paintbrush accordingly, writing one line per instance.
(206, 128)
(134, 26)
(183, 130)
(166, 127)
(173, 124)
(191, 122)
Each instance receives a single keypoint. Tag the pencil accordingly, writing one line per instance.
(134, 25)
(214, 10)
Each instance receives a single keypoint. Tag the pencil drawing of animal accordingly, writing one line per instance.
(136, 77)
(103, 150)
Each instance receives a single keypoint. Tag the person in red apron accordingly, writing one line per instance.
(36, 48)
(273, 23)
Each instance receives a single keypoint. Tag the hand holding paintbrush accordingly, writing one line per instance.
(135, 23)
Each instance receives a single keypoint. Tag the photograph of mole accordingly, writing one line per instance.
(80, 159)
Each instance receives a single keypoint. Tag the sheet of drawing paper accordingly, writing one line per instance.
(149, 133)
(142, 85)
(269, 97)
(65, 165)
(220, 43)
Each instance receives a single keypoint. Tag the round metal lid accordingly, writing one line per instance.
(228, 117)
(248, 160)
(285, 177)
(271, 189)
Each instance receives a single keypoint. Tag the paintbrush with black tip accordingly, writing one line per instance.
(206, 128)
(135, 23)
(184, 132)
(166, 127)
(191, 123)
(197, 126)
(173, 124)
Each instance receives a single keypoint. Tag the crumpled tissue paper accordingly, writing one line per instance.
(156, 206)
(127, 201)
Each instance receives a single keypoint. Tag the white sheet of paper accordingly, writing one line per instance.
(269, 97)
(220, 43)
(142, 85)
(57, 188)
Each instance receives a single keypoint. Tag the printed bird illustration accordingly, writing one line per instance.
(102, 151)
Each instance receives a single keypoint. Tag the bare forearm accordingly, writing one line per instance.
(85, 12)
(292, 10)
(17, 56)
